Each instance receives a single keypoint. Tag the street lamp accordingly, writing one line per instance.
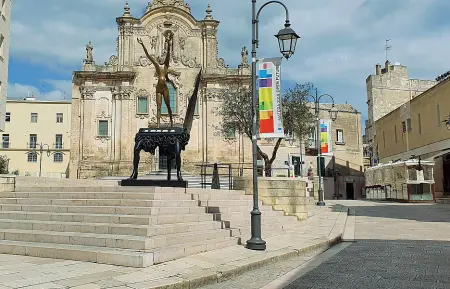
(40, 152)
(287, 40)
(333, 116)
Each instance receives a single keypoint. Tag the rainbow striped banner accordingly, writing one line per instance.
(270, 113)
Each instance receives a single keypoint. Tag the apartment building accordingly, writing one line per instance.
(36, 139)
(5, 31)
(419, 128)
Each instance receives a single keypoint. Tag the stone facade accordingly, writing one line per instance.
(427, 135)
(5, 31)
(346, 156)
(105, 111)
(387, 90)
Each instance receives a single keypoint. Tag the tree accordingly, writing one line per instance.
(4, 164)
(236, 112)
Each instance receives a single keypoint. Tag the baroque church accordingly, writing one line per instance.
(111, 102)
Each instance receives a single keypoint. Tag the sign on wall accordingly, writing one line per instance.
(325, 136)
(270, 113)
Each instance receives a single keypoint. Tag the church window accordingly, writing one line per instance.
(102, 128)
(173, 99)
(142, 105)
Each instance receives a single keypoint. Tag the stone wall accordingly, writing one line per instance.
(284, 194)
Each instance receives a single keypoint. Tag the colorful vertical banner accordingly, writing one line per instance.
(270, 113)
(325, 136)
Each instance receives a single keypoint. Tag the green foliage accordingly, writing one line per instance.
(15, 172)
(4, 164)
(297, 115)
(236, 112)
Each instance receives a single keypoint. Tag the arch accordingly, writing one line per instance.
(150, 19)
(173, 96)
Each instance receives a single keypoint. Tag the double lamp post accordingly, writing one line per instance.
(287, 40)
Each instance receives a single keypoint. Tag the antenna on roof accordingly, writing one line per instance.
(387, 47)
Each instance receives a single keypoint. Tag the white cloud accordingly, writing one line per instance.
(340, 45)
(19, 91)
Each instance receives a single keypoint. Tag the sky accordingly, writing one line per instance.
(341, 41)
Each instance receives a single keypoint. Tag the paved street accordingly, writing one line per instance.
(397, 246)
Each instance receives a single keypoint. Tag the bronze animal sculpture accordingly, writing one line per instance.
(162, 91)
(171, 141)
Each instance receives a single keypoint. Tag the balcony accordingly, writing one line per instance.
(6, 145)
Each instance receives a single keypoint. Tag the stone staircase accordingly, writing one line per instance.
(232, 208)
(135, 227)
(99, 221)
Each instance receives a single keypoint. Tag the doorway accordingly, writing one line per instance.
(350, 190)
(163, 163)
(446, 172)
(296, 162)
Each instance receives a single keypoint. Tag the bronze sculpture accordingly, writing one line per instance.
(161, 87)
(170, 141)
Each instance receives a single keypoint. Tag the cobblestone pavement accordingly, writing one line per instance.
(397, 246)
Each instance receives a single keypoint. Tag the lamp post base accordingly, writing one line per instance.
(256, 244)
(321, 203)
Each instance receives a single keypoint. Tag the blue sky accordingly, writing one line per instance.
(340, 45)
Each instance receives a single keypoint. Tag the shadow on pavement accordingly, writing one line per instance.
(417, 212)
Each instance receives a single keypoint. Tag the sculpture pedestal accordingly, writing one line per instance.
(154, 183)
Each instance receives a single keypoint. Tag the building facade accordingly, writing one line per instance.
(37, 137)
(420, 128)
(5, 31)
(111, 102)
(387, 90)
(342, 152)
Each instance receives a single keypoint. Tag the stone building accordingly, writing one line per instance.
(111, 102)
(344, 160)
(388, 89)
(31, 123)
(5, 31)
(420, 128)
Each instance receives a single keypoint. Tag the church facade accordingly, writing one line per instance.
(111, 102)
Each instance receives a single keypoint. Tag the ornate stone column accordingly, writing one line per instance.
(87, 111)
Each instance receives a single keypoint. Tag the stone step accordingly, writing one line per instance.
(104, 228)
(105, 209)
(106, 218)
(247, 208)
(98, 195)
(99, 202)
(111, 241)
(229, 203)
(221, 197)
(271, 216)
(112, 256)
(100, 189)
(233, 222)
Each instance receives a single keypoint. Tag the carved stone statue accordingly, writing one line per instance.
(89, 58)
(244, 55)
(161, 86)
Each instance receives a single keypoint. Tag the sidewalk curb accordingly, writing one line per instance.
(195, 279)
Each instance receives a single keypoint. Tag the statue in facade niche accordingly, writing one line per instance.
(162, 91)
(89, 58)
(244, 55)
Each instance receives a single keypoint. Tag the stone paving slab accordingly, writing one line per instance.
(317, 233)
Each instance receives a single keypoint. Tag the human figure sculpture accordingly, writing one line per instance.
(170, 141)
(161, 87)
(89, 57)
(244, 55)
